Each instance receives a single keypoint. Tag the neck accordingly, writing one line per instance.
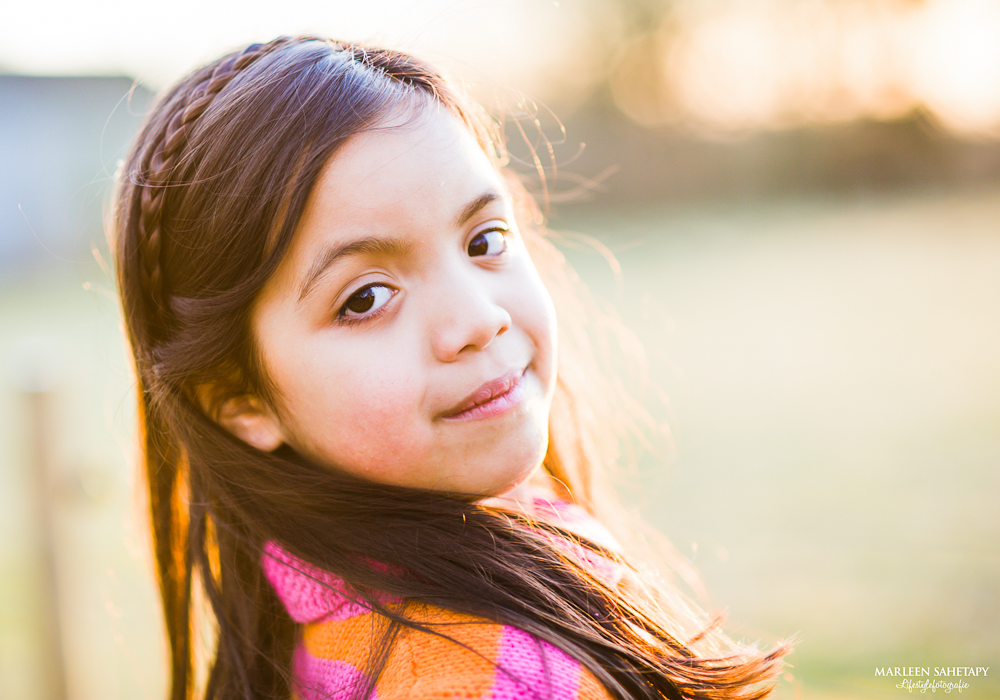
(521, 497)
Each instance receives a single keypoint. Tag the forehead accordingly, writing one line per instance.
(410, 174)
(410, 159)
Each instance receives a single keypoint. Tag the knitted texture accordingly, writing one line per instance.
(490, 661)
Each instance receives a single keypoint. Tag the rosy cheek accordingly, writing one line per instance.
(387, 397)
(383, 422)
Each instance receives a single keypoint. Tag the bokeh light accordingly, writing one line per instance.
(954, 62)
(735, 66)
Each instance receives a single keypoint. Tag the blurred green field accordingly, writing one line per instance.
(833, 374)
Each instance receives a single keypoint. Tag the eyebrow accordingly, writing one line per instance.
(382, 246)
(473, 207)
(362, 246)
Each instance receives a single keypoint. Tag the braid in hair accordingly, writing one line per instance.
(181, 110)
(212, 173)
(164, 154)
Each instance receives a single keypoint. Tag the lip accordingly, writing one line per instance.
(491, 399)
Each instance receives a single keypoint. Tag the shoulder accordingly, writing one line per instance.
(464, 657)
(471, 659)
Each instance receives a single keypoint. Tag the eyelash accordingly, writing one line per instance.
(343, 319)
(502, 229)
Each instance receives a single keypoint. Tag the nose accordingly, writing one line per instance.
(467, 317)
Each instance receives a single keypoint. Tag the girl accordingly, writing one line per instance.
(362, 444)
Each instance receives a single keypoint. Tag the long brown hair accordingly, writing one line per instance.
(209, 200)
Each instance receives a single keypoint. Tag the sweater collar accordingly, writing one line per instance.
(311, 594)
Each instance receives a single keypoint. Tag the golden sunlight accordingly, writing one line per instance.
(732, 67)
(954, 61)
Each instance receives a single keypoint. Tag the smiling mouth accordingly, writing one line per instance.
(492, 398)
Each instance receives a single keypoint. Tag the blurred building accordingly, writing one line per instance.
(646, 165)
(60, 140)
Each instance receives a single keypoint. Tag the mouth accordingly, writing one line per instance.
(491, 399)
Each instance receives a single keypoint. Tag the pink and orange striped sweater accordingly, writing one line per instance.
(490, 662)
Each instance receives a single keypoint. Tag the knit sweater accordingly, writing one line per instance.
(490, 661)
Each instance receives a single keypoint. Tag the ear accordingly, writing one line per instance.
(252, 421)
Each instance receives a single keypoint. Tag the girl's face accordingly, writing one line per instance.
(407, 333)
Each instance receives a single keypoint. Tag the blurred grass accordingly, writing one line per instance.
(833, 377)
(110, 618)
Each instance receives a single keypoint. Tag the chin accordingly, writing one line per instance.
(532, 461)
(514, 484)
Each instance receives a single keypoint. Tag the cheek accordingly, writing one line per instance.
(361, 420)
(538, 318)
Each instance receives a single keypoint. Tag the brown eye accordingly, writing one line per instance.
(489, 242)
(366, 300)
